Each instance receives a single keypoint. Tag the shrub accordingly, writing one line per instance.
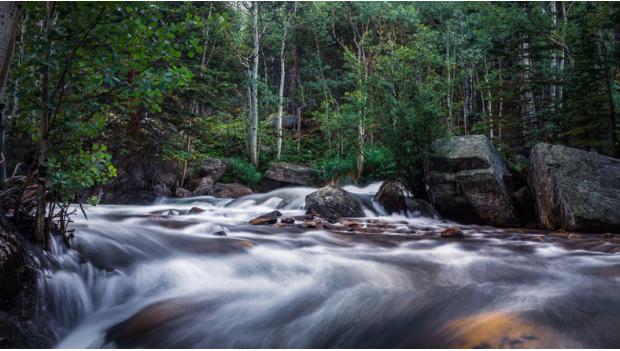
(379, 164)
(243, 172)
(336, 168)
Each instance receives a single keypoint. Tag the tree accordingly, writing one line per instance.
(9, 12)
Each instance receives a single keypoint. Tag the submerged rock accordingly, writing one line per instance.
(283, 174)
(196, 210)
(575, 189)
(268, 218)
(332, 202)
(466, 180)
(452, 232)
(230, 190)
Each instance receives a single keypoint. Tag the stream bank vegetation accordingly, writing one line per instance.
(100, 92)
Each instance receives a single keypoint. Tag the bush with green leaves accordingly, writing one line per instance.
(243, 172)
(379, 164)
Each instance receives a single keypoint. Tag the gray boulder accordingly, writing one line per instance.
(575, 190)
(288, 121)
(182, 193)
(283, 174)
(332, 202)
(213, 168)
(203, 187)
(466, 177)
(421, 207)
(392, 195)
(162, 190)
(230, 190)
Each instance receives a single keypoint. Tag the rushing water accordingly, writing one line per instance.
(157, 276)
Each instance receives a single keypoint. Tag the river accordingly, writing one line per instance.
(159, 276)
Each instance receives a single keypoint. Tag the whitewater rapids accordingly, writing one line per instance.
(159, 276)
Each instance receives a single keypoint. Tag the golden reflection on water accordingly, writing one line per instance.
(501, 329)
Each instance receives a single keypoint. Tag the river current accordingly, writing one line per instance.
(167, 276)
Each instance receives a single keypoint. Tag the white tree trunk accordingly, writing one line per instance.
(254, 90)
(9, 13)
(554, 59)
(281, 95)
(528, 108)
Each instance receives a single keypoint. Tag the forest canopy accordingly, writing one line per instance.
(357, 90)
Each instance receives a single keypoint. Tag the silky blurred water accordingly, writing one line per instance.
(158, 276)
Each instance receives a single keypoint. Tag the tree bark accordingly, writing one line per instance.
(254, 91)
(9, 12)
(554, 59)
(41, 227)
(281, 93)
(528, 108)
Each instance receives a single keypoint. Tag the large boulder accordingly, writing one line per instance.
(203, 187)
(392, 195)
(466, 177)
(230, 190)
(162, 190)
(213, 168)
(575, 190)
(283, 174)
(288, 121)
(332, 202)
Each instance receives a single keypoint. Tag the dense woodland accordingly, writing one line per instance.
(357, 90)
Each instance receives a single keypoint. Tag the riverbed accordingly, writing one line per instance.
(185, 273)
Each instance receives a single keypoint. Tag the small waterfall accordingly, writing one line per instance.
(166, 276)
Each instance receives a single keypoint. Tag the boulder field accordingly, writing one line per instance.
(568, 188)
(467, 180)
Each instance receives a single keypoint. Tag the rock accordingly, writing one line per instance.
(287, 220)
(424, 208)
(230, 190)
(392, 196)
(573, 236)
(452, 232)
(522, 197)
(181, 192)
(283, 174)
(220, 233)
(195, 210)
(312, 224)
(204, 186)
(575, 190)
(162, 190)
(18, 292)
(264, 149)
(332, 202)
(466, 179)
(171, 212)
(213, 168)
(269, 218)
(137, 197)
(288, 121)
